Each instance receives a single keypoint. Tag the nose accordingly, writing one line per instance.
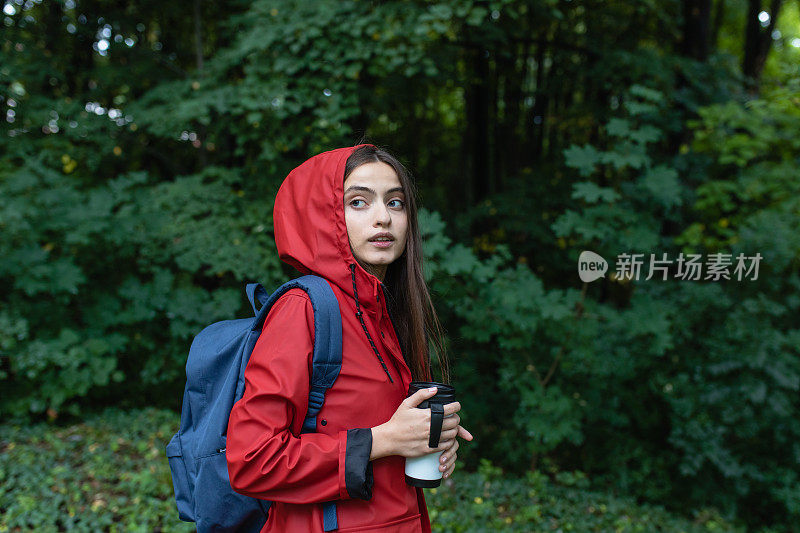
(383, 215)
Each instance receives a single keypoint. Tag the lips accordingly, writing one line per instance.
(380, 236)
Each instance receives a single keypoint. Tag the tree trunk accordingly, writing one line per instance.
(719, 16)
(758, 41)
(497, 92)
(696, 26)
(513, 70)
(198, 36)
(536, 118)
(478, 119)
(202, 131)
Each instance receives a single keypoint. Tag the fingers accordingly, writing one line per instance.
(444, 445)
(420, 396)
(448, 435)
(452, 408)
(449, 471)
(448, 460)
(451, 450)
(450, 423)
(464, 434)
(448, 464)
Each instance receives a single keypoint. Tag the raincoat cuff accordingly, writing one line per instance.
(358, 479)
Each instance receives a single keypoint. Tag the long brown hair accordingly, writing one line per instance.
(409, 302)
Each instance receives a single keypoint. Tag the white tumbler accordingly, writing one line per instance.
(424, 471)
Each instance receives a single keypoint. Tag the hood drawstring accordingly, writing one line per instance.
(363, 326)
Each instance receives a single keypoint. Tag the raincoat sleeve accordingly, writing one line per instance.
(268, 457)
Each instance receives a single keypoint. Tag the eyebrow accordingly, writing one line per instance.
(370, 191)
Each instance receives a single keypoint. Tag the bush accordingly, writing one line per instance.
(489, 500)
(109, 473)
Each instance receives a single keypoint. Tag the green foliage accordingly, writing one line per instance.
(751, 200)
(491, 500)
(619, 212)
(109, 473)
(118, 265)
(751, 374)
(508, 324)
(135, 201)
(712, 365)
(123, 235)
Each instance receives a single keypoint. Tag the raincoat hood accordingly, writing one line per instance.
(310, 228)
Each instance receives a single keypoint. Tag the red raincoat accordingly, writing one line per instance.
(267, 456)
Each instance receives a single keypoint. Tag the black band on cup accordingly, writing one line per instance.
(437, 416)
(423, 483)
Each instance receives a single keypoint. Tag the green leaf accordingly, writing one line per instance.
(584, 159)
(591, 193)
(661, 183)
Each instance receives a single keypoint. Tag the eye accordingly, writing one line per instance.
(354, 201)
(399, 204)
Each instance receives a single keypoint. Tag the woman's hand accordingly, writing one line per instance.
(407, 432)
(448, 458)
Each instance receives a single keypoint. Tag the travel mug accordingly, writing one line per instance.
(424, 471)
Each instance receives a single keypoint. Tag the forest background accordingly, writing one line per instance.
(142, 144)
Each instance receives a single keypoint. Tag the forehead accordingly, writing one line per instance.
(376, 175)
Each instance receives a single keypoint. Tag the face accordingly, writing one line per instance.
(374, 202)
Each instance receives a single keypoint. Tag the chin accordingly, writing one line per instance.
(380, 259)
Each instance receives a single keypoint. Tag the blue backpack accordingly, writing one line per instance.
(214, 382)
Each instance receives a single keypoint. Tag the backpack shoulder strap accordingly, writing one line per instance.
(327, 359)
(327, 335)
(327, 362)
(327, 346)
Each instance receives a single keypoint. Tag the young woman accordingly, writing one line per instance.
(348, 215)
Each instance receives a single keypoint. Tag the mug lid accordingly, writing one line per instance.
(445, 393)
